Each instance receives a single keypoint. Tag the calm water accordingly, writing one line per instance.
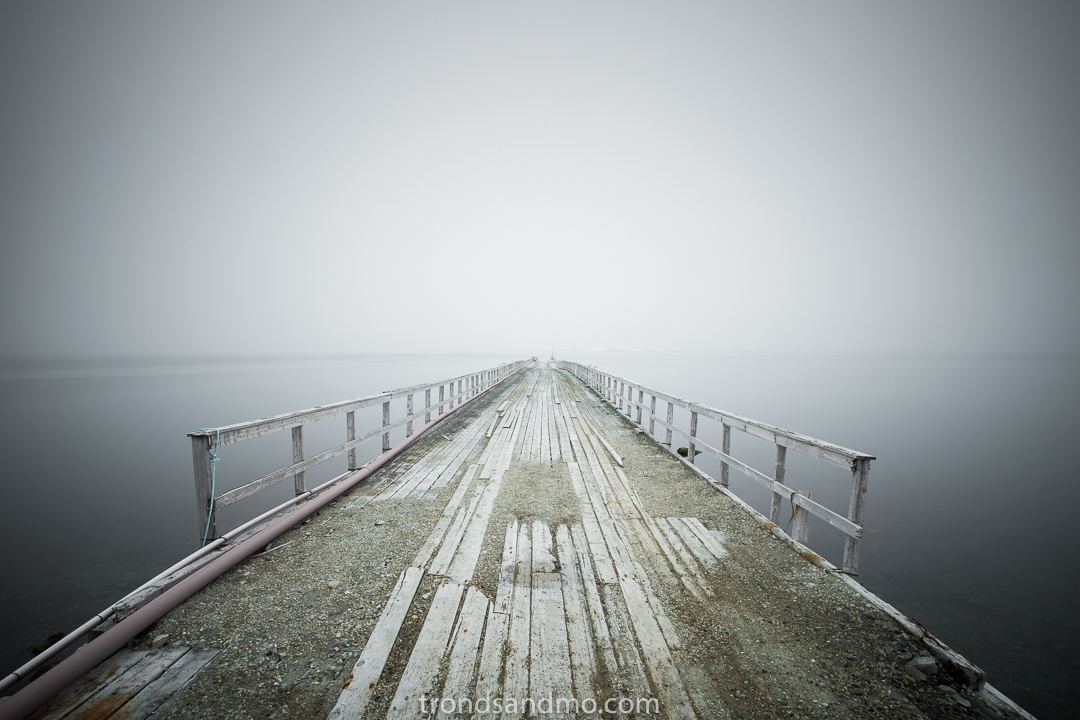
(973, 455)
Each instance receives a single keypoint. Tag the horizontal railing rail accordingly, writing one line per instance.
(619, 393)
(205, 442)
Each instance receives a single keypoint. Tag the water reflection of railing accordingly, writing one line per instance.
(619, 393)
(205, 442)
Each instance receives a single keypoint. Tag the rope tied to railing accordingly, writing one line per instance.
(214, 459)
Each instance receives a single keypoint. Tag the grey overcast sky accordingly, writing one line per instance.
(257, 177)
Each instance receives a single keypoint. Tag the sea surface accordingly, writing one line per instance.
(968, 516)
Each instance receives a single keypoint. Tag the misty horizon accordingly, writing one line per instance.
(237, 179)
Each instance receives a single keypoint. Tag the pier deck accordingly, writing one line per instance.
(537, 545)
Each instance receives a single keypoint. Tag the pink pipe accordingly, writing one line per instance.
(86, 658)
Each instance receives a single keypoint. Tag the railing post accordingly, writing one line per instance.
(203, 463)
(777, 499)
(652, 415)
(640, 400)
(350, 434)
(670, 420)
(442, 397)
(801, 526)
(408, 414)
(298, 456)
(690, 449)
(859, 476)
(726, 448)
(385, 423)
(427, 405)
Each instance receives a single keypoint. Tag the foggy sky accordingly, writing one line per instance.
(426, 177)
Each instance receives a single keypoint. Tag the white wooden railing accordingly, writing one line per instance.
(619, 393)
(205, 442)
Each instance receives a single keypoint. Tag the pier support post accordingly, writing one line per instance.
(691, 450)
(386, 423)
(427, 405)
(726, 448)
(777, 499)
(859, 476)
(442, 396)
(408, 414)
(670, 420)
(200, 456)
(350, 434)
(298, 456)
(640, 400)
(801, 526)
(652, 415)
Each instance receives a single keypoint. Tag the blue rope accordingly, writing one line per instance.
(214, 459)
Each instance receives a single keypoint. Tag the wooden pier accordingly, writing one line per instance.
(540, 552)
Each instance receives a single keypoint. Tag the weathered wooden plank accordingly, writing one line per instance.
(513, 445)
(566, 453)
(710, 541)
(355, 697)
(691, 540)
(626, 566)
(156, 697)
(516, 676)
(624, 646)
(604, 568)
(444, 473)
(76, 693)
(544, 435)
(606, 444)
(468, 552)
(542, 559)
(549, 671)
(115, 694)
(419, 677)
(595, 608)
(506, 572)
(454, 535)
(579, 635)
(657, 657)
(488, 679)
(444, 462)
(463, 655)
(489, 447)
(448, 514)
(457, 452)
(645, 547)
(685, 555)
(585, 448)
(688, 577)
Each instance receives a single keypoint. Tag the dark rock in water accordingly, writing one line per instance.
(49, 642)
(686, 451)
